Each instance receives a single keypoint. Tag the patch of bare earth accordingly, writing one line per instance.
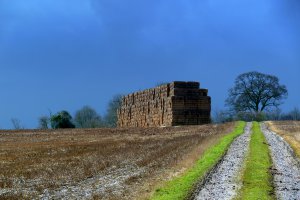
(289, 130)
(98, 163)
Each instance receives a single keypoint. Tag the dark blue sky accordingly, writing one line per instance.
(62, 54)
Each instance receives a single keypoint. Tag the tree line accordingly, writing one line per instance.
(276, 114)
(254, 97)
(86, 117)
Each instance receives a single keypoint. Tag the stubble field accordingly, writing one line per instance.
(98, 163)
(290, 131)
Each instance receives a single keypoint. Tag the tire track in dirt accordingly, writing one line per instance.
(224, 180)
(286, 166)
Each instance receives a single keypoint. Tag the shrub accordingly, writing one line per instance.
(61, 120)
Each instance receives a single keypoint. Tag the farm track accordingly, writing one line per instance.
(224, 180)
(286, 166)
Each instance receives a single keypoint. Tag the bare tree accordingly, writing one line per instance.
(292, 115)
(256, 92)
(44, 122)
(295, 113)
(16, 123)
(111, 116)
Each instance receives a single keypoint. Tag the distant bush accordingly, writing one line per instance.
(61, 120)
(87, 117)
(251, 116)
(272, 115)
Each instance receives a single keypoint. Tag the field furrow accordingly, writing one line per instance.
(98, 163)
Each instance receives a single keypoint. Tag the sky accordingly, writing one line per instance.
(61, 54)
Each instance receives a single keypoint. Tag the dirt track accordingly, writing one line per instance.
(224, 181)
(286, 167)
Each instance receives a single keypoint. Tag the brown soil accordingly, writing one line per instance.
(137, 159)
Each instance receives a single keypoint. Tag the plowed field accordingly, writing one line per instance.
(98, 163)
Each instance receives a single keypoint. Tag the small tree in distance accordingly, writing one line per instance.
(16, 123)
(87, 117)
(44, 122)
(295, 114)
(111, 116)
(255, 92)
(292, 115)
(61, 120)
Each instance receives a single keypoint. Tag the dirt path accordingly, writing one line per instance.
(224, 181)
(286, 167)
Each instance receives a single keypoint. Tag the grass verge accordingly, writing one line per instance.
(257, 181)
(179, 188)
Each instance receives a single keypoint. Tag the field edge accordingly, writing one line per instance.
(294, 144)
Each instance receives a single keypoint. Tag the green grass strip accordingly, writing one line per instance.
(179, 188)
(257, 181)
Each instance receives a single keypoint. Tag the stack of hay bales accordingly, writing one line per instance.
(173, 104)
